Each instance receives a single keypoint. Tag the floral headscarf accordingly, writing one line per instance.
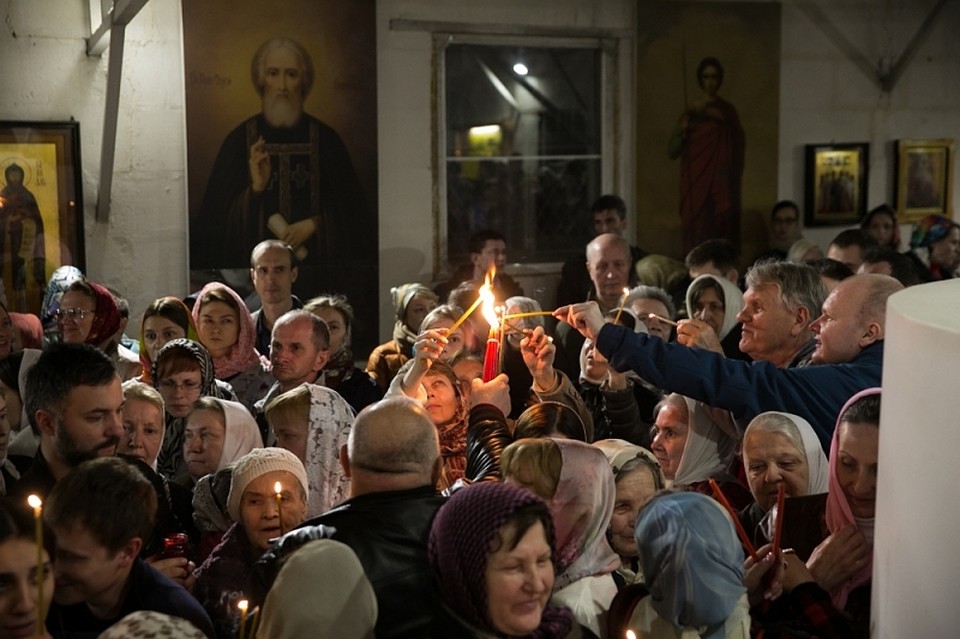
(581, 507)
(60, 281)
(839, 513)
(243, 355)
(328, 428)
(930, 229)
(190, 329)
(692, 563)
(460, 542)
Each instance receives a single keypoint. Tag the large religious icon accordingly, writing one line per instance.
(41, 208)
(708, 88)
(836, 183)
(281, 126)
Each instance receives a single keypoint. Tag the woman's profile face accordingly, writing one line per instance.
(18, 587)
(519, 580)
(945, 252)
(857, 466)
(670, 438)
(157, 331)
(634, 489)
(336, 324)
(772, 459)
(219, 328)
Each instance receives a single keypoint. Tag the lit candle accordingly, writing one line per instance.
(661, 318)
(279, 490)
(623, 301)
(530, 314)
(464, 317)
(491, 357)
(631, 634)
(37, 506)
(242, 605)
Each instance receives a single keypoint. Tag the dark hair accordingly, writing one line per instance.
(709, 62)
(60, 369)
(883, 209)
(549, 418)
(721, 252)
(831, 268)
(465, 294)
(206, 402)
(784, 204)
(266, 245)
(610, 202)
(627, 318)
(13, 168)
(17, 522)
(220, 294)
(523, 519)
(10, 370)
(479, 239)
(702, 284)
(172, 309)
(176, 359)
(854, 237)
(109, 498)
(865, 410)
(902, 267)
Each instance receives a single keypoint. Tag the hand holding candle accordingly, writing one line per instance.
(278, 489)
(37, 506)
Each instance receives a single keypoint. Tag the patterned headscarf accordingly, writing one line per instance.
(930, 229)
(691, 560)
(459, 546)
(60, 281)
(145, 624)
(106, 319)
(190, 329)
(581, 507)
(839, 513)
(243, 355)
(331, 419)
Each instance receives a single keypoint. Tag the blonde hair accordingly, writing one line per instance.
(540, 456)
(292, 406)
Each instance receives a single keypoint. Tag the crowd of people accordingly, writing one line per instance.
(227, 473)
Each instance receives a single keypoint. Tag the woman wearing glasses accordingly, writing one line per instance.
(89, 314)
(183, 373)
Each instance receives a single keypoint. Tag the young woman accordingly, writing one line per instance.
(166, 319)
(18, 573)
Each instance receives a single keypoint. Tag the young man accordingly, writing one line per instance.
(101, 515)
(487, 248)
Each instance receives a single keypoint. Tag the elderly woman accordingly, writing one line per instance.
(217, 433)
(339, 373)
(935, 248)
(89, 314)
(411, 302)
(779, 449)
(143, 423)
(166, 319)
(638, 477)
(694, 444)
(494, 557)
(183, 373)
(576, 482)
(713, 304)
(227, 331)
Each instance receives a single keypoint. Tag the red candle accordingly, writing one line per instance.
(491, 358)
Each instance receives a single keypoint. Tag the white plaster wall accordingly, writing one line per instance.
(46, 75)
(825, 97)
(915, 576)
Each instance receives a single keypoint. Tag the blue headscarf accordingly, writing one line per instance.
(691, 560)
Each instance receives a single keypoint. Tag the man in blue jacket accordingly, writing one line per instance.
(848, 357)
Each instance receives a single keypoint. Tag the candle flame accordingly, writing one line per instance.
(631, 634)
(277, 488)
(242, 605)
(34, 501)
(488, 306)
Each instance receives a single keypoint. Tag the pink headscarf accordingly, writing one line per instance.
(106, 319)
(243, 355)
(839, 513)
(581, 507)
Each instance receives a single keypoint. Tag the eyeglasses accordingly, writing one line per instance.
(171, 386)
(76, 314)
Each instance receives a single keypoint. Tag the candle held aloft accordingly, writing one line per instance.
(278, 489)
(623, 301)
(37, 506)
(243, 604)
(491, 358)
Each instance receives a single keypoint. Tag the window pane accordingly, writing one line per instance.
(523, 152)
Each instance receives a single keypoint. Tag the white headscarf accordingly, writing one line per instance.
(708, 450)
(241, 432)
(732, 302)
(328, 428)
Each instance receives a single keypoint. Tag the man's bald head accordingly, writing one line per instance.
(608, 263)
(393, 444)
(876, 289)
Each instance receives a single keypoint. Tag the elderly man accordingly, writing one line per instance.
(273, 272)
(393, 460)
(609, 263)
(848, 345)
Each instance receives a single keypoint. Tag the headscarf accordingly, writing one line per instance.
(884, 209)
(242, 433)
(106, 318)
(453, 432)
(459, 546)
(708, 451)
(619, 451)
(930, 229)
(345, 606)
(191, 333)
(811, 448)
(243, 355)
(581, 507)
(169, 459)
(693, 565)
(839, 513)
(732, 301)
(331, 419)
(30, 329)
(145, 624)
(60, 281)
(402, 296)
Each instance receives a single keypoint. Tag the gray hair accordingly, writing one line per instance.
(777, 424)
(526, 305)
(800, 285)
(644, 292)
(258, 63)
(133, 389)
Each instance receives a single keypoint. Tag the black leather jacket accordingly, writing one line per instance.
(388, 531)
